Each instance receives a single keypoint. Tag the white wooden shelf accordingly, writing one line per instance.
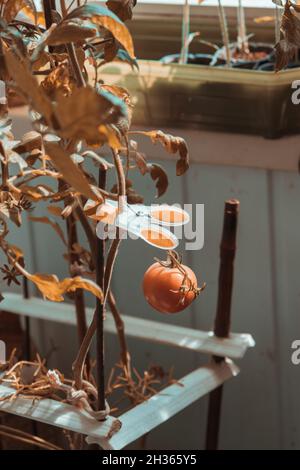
(134, 423)
(201, 341)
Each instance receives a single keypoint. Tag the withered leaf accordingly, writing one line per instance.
(54, 289)
(172, 145)
(141, 162)
(70, 171)
(58, 80)
(123, 94)
(70, 31)
(110, 136)
(12, 212)
(81, 114)
(17, 252)
(54, 225)
(37, 17)
(264, 19)
(55, 210)
(20, 72)
(104, 17)
(37, 192)
(123, 56)
(12, 8)
(122, 8)
(15, 215)
(287, 47)
(156, 172)
(132, 198)
(159, 175)
(30, 141)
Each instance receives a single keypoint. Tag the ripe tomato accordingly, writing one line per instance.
(162, 285)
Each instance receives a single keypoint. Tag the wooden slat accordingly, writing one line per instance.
(61, 415)
(136, 422)
(186, 338)
(175, 398)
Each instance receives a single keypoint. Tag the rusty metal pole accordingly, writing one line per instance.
(222, 320)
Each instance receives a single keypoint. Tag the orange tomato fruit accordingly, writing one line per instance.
(161, 286)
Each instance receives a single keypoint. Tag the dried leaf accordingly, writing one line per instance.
(15, 215)
(290, 26)
(30, 141)
(132, 198)
(287, 47)
(70, 31)
(264, 19)
(123, 56)
(20, 72)
(81, 114)
(172, 145)
(156, 172)
(37, 17)
(141, 162)
(53, 289)
(36, 193)
(58, 80)
(54, 225)
(14, 157)
(17, 252)
(12, 8)
(159, 175)
(109, 135)
(102, 16)
(55, 210)
(122, 8)
(70, 171)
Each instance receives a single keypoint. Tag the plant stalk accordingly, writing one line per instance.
(224, 31)
(125, 356)
(78, 294)
(100, 309)
(111, 257)
(242, 40)
(185, 33)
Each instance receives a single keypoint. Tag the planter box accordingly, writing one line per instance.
(214, 98)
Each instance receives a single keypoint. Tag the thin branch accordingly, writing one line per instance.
(21, 436)
(78, 364)
(125, 356)
(224, 31)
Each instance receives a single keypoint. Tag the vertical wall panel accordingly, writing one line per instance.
(285, 194)
(245, 409)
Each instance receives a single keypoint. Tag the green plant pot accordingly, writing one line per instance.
(213, 98)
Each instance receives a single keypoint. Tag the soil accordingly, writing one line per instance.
(250, 56)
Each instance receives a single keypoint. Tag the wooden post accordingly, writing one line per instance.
(222, 320)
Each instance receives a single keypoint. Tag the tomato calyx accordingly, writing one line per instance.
(174, 260)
